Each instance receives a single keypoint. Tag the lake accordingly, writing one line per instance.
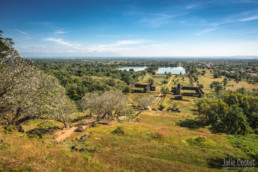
(172, 70)
(134, 68)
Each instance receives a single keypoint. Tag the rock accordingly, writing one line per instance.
(155, 109)
(122, 118)
(79, 129)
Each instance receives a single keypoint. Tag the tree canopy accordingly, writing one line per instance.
(25, 91)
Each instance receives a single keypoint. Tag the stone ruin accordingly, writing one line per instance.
(179, 91)
(142, 88)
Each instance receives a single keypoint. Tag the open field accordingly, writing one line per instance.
(155, 143)
(208, 78)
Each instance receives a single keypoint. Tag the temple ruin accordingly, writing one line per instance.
(179, 90)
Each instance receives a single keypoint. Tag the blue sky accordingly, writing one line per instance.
(65, 28)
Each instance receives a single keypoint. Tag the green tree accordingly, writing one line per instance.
(225, 82)
(26, 92)
(235, 122)
(216, 85)
(162, 106)
(164, 90)
(6, 48)
(150, 80)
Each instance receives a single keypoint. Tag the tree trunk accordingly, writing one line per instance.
(65, 124)
(17, 115)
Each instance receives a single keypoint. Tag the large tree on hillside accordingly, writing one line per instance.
(26, 92)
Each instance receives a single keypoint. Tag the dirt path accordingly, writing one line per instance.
(61, 135)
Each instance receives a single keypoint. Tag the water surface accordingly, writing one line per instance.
(172, 70)
(134, 68)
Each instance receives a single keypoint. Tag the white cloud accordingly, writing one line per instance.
(249, 18)
(59, 41)
(191, 6)
(129, 42)
(156, 20)
(191, 49)
(205, 31)
(118, 46)
(22, 32)
(60, 32)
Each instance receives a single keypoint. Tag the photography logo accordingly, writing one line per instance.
(234, 164)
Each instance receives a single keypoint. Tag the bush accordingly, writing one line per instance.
(246, 144)
(118, 131)
(162, 106)
(198, 141)
(132, 111)
(11, 128)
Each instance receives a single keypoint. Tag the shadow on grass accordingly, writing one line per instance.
(190, 123)
(216, 163)
(40, 132)
(183, 100)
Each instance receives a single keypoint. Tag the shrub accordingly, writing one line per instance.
(198, 141)
(132, 111)
(118, 131)
(162, 106)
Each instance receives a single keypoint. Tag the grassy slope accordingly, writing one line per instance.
(156, 143)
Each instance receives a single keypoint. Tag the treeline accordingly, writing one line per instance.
(80, 77)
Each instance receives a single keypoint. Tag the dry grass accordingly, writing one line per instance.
(207, 79)
(232, 85)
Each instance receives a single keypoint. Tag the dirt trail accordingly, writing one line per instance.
(65, 133)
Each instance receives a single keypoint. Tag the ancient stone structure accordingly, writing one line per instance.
(179, 91)
(142, 88)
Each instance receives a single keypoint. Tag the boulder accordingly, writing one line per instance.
(79, 129)
(122, 118)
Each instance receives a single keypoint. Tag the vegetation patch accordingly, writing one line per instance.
(248, 144)
(119, 130)
(200, 141)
